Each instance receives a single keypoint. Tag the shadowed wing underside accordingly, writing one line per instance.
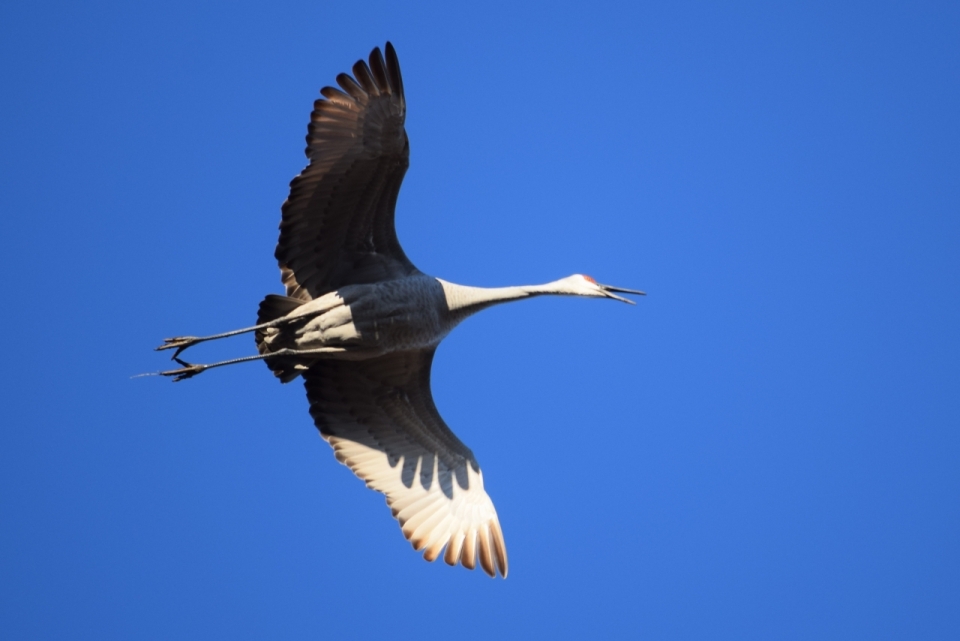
(337, 227)
(380, 418)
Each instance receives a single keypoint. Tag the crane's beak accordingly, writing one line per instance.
(609, 289)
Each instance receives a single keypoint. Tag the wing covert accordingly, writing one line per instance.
(337, 225)
(380, 419)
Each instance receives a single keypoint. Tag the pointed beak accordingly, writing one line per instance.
(609, 289)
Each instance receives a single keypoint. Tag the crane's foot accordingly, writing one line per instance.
(187, 371)
(178, 343)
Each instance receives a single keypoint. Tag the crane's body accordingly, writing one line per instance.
(360, 323)
(370, 320)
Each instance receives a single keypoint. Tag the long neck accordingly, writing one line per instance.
(463, 300)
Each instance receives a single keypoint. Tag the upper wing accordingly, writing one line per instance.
(337, 226)
(380, 419)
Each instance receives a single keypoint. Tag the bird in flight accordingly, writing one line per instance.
(360, 323)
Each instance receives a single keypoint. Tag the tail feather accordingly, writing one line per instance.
(271, 308)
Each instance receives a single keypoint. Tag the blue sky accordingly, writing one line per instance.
(765, 447)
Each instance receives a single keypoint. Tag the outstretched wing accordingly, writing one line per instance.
(337, 226)
(380, 418)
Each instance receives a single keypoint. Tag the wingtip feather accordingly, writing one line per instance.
(500, 548)
(393, 69)
(468, 556)
(454, 547)
(433, 552)
(486, 551)
(378, 67)
(362, 73)
(350, 86)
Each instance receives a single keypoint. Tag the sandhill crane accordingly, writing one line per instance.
(361, 324)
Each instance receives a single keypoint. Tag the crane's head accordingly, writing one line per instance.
(582, 285)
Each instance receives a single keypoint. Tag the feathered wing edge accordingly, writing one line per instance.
(382, 424)
(337, 225)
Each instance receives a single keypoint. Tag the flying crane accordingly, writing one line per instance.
(360, 323)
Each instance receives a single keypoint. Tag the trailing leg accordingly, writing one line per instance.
(189, 370)
(273, 313)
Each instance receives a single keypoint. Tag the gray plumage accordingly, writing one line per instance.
(361, 324)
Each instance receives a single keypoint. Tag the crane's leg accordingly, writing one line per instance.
(181, 343)
(190, 370)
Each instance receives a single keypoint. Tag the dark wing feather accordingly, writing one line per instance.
(380, 418)
(337, 227)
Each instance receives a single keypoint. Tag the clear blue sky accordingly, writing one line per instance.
(766, 447)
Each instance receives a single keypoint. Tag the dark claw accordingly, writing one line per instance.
(188, 370)
(179, 343)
